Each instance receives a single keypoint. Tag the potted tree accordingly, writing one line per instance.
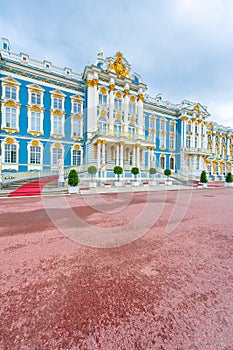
(229, 180)
(92, 170)
(152, 173)
(118, 170)
(135, 172)
(203, 179)
(167, 172)
(73, 181)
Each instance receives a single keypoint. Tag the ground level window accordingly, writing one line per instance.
(35, 155)
(56, 155)
(10, 153)
(162, 162)
(76, 157)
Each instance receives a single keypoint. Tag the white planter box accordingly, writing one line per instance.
(118, 184)
(92, 184)
(84, 190)
(128, 184)
(107, 185)
(202, 185)
(168, 183)
(153, 183)
(73, 189)
(135, 184)
(228, 184)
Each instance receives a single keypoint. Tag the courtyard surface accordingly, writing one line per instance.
(168, 287)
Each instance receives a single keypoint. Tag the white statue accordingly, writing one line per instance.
(60, 172)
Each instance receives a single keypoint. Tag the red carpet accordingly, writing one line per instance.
(33, 188)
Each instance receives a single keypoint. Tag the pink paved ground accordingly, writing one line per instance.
(163, 292)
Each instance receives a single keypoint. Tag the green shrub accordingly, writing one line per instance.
(135, 171)
(167, 172)
(152, 171)
(203, 178)
(118, 171)
(229, 177)
(92, 170)
(73, 179)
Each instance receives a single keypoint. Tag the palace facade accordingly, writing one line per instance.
(102, 117)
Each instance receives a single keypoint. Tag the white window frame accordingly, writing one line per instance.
(39, 116)
(72, 156)
(6, 145)
(162, 125)
(73, 126)
(52, 155)
(36, 148)
(103, 100)
(118, 103)
(58, 103)
(132, 107)
(151, 123)
(77, 107)
(162, 140)
(62, 120)
(172, 142)
(12, 92)
(172, 127)
(37, 96)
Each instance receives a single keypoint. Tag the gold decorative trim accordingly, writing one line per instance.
(35, 143)
(118, 67)
(10, 103)
(140, 97)
(111, 87)
(10, 140)
(103, 113)
(77, 147)
(103, 90)
(57, 145)
(10, 130)
(35, 133)
(126, 92)
(56, 136)
(118, 94)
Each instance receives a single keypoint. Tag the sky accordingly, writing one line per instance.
(182, 49)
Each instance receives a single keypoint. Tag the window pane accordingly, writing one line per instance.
(76, 157)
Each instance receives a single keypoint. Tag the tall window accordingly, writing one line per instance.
(102, 99)
(131, 129)
(102, 125)
(57, 103)
(56, 155)
(196, 129)
(195, 142)
(35, 99)
(35, 121)
(35, 155)
(117, 127)
(118, 104)
(188, 127)
(77, 107)
(76, 157)
(11, 117)
(57, 125)
(188, 142)
(162, 141)
(172, 142)
(162, 125)
(151, 124)
(172, 163)
(162, 162)
(10, 153)
(76, 127)
(172, 127)
(10, 92)
(132, 107)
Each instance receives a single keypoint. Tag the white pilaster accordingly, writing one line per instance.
(133, 155)
(117, 153)
(121, 154)
(138, 156)
(111, 105)
(103, 153)
(98, 154)
(140, 114)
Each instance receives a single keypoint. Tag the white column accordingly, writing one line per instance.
(98, 154)
(213, 145)
(205, 138)
(140, 114)
(199, 136)
(182, 134)
(103, 153)
(90, 107)
(193, 135)
(138, 156)
(121, 154)
(117, 153)
(133, 155)
(111, 106)
(126, 108)
(228, 146)
(149, 158)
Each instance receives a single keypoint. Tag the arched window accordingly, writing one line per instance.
(172, 163)
(102, 125)
(162, 162)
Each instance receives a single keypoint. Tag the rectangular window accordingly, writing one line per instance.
(172, 142)
(56, 155)
(10, 93)
(132, 107)
(102, 99)
(35, 99)
(57, 125)
(162, 125)
(57, 103)
(151, 124)
(188, 127)
(76, 157)
(188, 142)
(196, 129)
(10, 153)
(195, 142)
(162, 141)
(118, 104)
(11, 117)
(172, 127)
(35, 121)
(76, 127)
(35, 154)
(77, 107)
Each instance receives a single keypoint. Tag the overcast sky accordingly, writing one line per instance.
(181, 48)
